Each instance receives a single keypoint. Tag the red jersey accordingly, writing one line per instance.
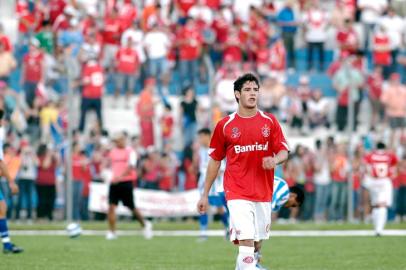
(112, 31)
(61, 23)
(33, 66)
(382, 57)
(78, 167)
(220, 27)
(245, 142)
(381, 164)
(185, 5)
(127, 60)
(93, 81)
(56, 8)
(277, 53)
(167, 123)
(127, 13)
(6, 43)
(190, 50)
(375, 84)
(46, 176)
(347, 41)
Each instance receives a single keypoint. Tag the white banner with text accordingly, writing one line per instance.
(151, 203)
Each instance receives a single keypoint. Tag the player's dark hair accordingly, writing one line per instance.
(248, 77)
(1, 112)
(204, 131)
(380, 146)
(299, 194)
(168, 106)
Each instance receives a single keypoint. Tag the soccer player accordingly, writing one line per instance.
(253, 143)
(216, 194)
(8, 247)
(380, 166)
(283, 196)
(123, 161)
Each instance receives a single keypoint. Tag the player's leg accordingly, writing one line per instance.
(262, 226)
(242, 231)
(127, 197)
(203, 224)
(385, 201)
(8, 247)
(111, 214)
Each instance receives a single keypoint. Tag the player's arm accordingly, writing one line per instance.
(5, 173)
(211, 175)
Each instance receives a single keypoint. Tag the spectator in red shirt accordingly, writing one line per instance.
(46, 181)
(112, 31)
(381, 50)
(33, 71)
(79, 166)
(56, 8)
(167, 122)
(93, 86)
(146, 112)
(374, 87)
(347, 38)
(5, 40)
(62, 21)
(190, 46)
(127, 69)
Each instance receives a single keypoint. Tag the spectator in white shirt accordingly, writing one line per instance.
(395, 28)
(137, 37)
(315, 24)
(225, 94)
(371, 11)
(157, 45)
(201, 12)
(318, 110)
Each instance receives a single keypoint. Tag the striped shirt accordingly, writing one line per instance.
(280, 193)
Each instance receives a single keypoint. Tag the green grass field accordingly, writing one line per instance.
(176, 253)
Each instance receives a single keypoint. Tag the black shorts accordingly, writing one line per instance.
(123, 192)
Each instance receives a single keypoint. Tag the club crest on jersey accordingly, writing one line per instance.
(235, 133)
(266, 131)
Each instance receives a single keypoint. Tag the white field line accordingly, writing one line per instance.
(219, 233)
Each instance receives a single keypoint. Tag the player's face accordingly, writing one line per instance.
(292, 202)
(248, 95)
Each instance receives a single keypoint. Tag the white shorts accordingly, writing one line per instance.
(380, 190)
(249, 220)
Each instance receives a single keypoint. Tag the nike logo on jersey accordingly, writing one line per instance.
(249, 148)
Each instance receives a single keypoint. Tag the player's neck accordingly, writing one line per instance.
(246, 112)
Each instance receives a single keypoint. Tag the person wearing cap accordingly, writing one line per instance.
(33, 70)
(123, 161)
(394, 101)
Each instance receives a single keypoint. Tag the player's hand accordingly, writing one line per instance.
(202, 205)
(13, 188)
(269, 163)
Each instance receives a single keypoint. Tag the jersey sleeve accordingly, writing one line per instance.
(278, 139)
(217, 149)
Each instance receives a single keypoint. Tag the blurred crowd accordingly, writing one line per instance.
(155, 49)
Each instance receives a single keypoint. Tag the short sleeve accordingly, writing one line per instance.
(278, 139)
(217, 149)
